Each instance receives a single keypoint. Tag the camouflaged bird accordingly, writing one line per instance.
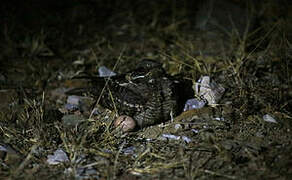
(147, 94)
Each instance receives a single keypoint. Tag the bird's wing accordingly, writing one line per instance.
(125, 96)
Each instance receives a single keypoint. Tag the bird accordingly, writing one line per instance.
(147, 93)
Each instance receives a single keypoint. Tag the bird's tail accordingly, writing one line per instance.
(94, 86)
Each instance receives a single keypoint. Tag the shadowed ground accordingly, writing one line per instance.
(244, 46)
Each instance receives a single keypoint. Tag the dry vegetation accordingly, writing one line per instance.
(42, 50)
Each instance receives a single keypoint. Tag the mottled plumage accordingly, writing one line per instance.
(147, 93)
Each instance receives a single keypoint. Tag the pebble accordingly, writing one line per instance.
(59, 157)
(269, 118)
(105, 72)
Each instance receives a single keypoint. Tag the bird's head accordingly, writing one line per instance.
(148, 64)
(145, 70)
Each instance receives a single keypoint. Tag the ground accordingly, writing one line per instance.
(244, 46)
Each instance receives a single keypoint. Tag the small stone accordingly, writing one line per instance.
(74, 100)
(59, 157)
(174, 137)
(105, 72)
(71, 107)
(8, 154)
(177, 126)
(126, 123)
(78, 103)
(209, 90)
(269, 118)
(194, 104)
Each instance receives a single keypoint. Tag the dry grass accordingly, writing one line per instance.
(255, 69)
